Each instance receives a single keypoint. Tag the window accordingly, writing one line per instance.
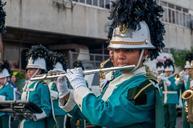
(176, 14)
(101, 3)
(89, 2)
(82, 1)
(107, 4)
(97, 3)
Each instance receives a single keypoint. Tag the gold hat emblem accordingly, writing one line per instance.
(123, 29)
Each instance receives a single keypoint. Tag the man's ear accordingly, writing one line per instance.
(146, 53)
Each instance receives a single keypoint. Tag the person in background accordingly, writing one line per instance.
(18, 79)
(36, 91)
(170, 94)
(160, 72)
(186, 77)
(159, 68)
(131, 99)
(58, 118)
(6, 93)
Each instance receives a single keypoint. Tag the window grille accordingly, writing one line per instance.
(105, 4)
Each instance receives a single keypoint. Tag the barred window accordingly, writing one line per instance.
(97, 3)
(175, 14)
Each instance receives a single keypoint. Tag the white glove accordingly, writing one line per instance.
(75, 77)
(62, 86)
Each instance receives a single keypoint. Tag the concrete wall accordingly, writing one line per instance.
(178, 37)
(46, 15)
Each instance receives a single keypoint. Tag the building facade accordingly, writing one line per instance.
(80, 26)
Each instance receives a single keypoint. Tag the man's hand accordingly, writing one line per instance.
(75, 77)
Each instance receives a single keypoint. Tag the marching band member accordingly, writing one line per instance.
(131, 98)
(36, 92)
(170, 94)
(159, 68)
(57, 120)
(6, 93)
(159, 72)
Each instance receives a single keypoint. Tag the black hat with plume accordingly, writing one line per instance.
(168, 65)
(130, 13)
(189, 60)
(5, 70)
(58, 62)
(38, 57)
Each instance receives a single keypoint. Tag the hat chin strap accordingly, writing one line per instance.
(139, 61)
(35, 73)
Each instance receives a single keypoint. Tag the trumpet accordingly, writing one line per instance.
(86, 72)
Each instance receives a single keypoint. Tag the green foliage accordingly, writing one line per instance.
(18, 74)
(2, 17)
(180, 57)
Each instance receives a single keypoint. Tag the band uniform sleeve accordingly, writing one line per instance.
(117, 111)
(44, 95)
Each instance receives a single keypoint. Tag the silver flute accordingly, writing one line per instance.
(85, 72)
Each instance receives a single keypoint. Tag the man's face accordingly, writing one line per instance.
(31, 72)
(122, 57)
(168, 73)
(160, 72)
(187, 70)
(190, 71)
(2, 81)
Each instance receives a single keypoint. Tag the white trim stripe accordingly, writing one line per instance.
(79, 95)
(170, 92)
(113, 85)
(70, 103)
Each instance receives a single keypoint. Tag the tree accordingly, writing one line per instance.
(180, 57)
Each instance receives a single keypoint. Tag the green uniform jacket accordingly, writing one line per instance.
(55, 97)
(37, 93)
(115, 106)
(170, 92)
(6, 93)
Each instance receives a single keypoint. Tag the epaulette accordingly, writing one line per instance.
(138, 94)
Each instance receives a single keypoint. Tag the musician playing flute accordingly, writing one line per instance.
(131, 98)
(58, 65)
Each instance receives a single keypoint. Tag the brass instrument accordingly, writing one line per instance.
(86, 72)
(102, 65)
(188, 97)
